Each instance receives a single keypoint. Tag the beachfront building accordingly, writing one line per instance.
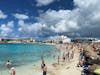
(83, 40)
(66, 40)
(28, 40)
(96, 41)
(59, 39)
(0, 40)
(17, 40)
(11, 40)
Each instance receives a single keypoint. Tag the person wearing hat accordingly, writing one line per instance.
(13, 72)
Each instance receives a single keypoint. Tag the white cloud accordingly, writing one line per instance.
(84, 17)
(2, 15)
(29, 28)
(86, 4)
(44, 2)
(21, 16)
(6, 29)
(88, 15)
(21, 23)
(59, 21)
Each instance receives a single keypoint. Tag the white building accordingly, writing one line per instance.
(60, 39)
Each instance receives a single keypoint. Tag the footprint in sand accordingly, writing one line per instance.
(67, 67)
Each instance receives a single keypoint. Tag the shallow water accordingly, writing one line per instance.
(22, 55)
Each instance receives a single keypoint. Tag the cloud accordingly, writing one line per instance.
(6, 29)
(21, 16)
(59, 21)
(82, 19)
(86, 4)
(28, 29)
(44, 2)
(2, 15)
(88, 14)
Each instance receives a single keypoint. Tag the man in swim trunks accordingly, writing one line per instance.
(44, 70)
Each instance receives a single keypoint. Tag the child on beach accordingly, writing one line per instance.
(13, 72)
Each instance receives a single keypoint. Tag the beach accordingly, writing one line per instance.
(71, 68)
(26, 58)
(53, 67)
(68, 68)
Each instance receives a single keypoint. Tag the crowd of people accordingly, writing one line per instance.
(86, 58)
(67, 55)
(85, 55)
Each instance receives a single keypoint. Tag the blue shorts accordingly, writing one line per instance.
(44, 72)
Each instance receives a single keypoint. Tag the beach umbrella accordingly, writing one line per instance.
(97, 71)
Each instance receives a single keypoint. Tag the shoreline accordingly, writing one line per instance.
(53, 67)
(63, 68)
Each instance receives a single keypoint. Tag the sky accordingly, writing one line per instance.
(41, 19)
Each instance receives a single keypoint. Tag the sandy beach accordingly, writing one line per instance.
(69, 68)
(49, 37)
(53, 68)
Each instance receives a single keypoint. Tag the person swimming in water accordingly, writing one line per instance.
(8, 64)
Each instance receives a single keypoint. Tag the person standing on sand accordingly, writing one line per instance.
(42, 65)
(13, 72)
(72, 53)
(67, 56)
(63, 57)
(8, 64)
(44, 70)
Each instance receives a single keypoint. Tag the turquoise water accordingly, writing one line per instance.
(22, 54)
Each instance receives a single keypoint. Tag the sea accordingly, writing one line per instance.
(25, 57)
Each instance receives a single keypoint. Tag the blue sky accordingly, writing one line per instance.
(45, 18)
